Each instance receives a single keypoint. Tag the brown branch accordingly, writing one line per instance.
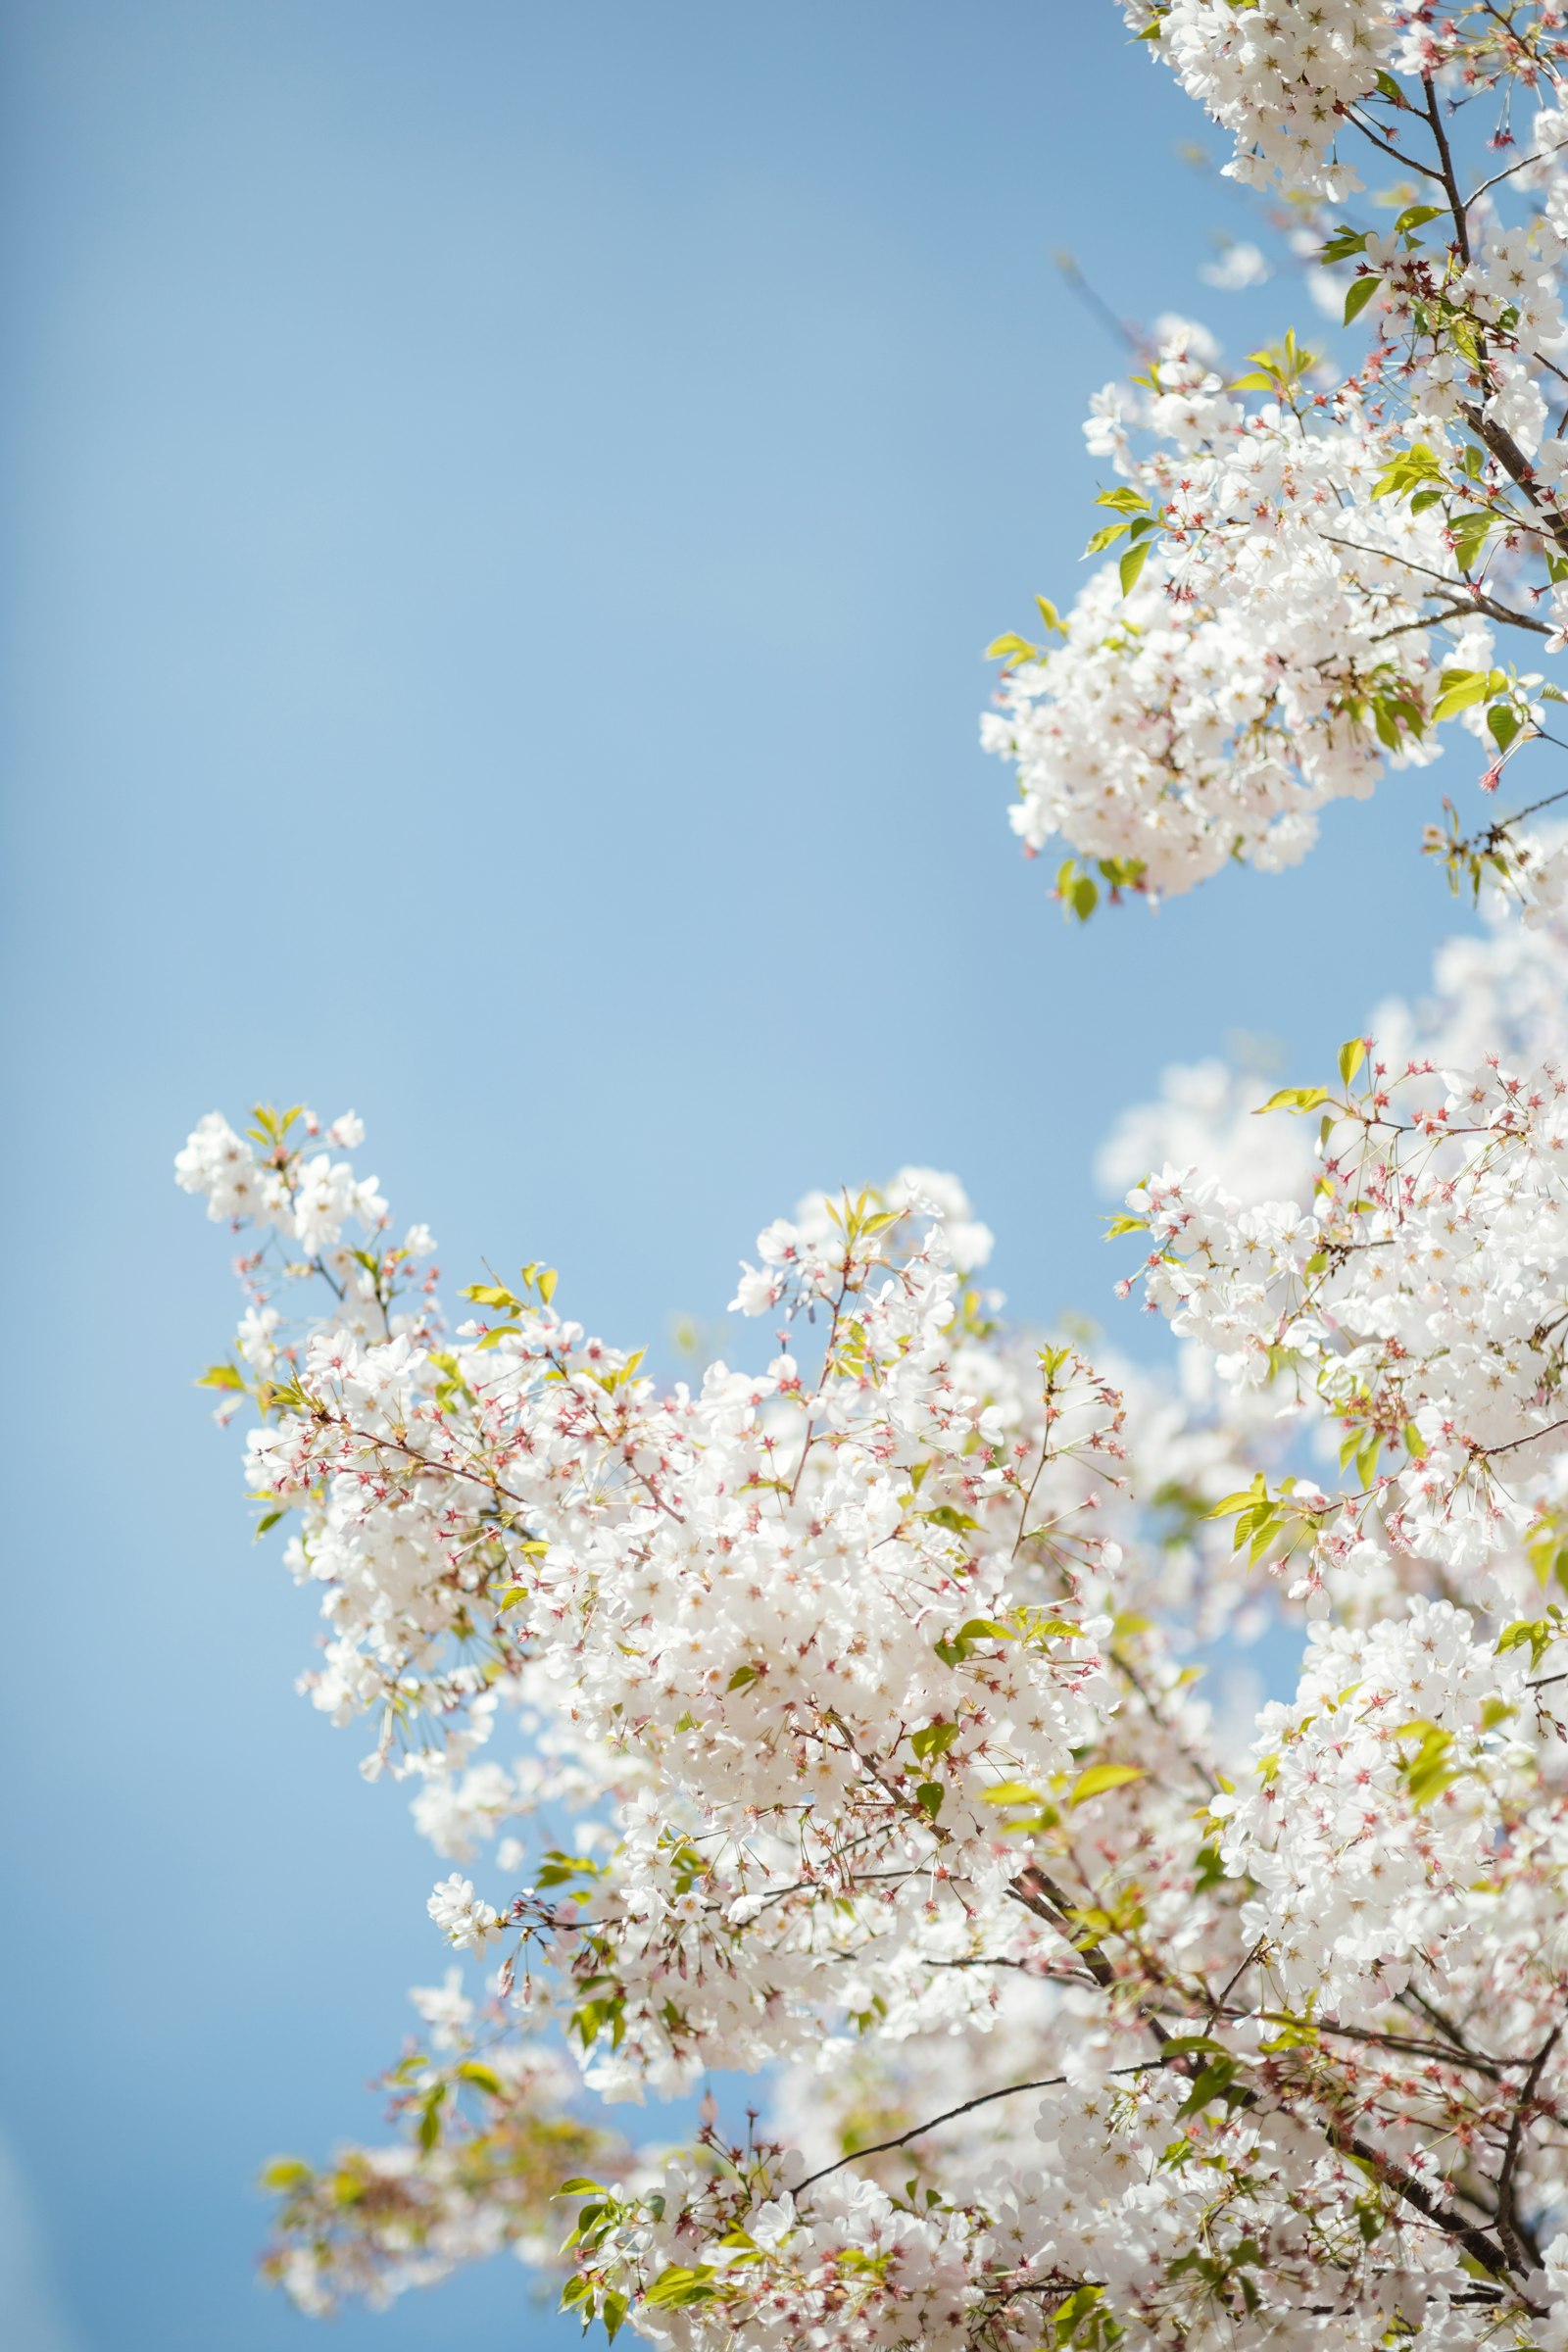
(1511, 458)
(1519, 2240)
(1485, 2251)
(1411, 162)
(1048, 1901)
(1503, 445)
(1456, 203)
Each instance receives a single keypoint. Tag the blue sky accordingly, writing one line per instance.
(504, 504)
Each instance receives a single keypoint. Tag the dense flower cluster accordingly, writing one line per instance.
(866, 1686)
(1422, 1299)
(1208, 709)
(1310, 584)
(837, 1717)
(1280, 78)
(1293, 79)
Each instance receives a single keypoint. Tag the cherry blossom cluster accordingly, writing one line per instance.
(1312, 582)
(1269, 657)
(1421, 1300)
(1302, 2142)
(866, 1685)
(1278, 77)
(1293, 80)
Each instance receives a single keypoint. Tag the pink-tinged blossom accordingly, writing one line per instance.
(464, 1922)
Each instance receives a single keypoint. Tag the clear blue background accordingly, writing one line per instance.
(503, 507)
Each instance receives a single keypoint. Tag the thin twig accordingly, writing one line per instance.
(1410, 161)
(1011, 2090)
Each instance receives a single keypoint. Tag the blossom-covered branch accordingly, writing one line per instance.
(1314, 567)
(838, 1717)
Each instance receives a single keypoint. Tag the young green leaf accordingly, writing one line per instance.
(1098, 1777)
(1357, 295)
(1294, 1097)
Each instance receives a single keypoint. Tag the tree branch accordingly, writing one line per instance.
(1456, 203)
(1011, 2090)
(1519, 2240)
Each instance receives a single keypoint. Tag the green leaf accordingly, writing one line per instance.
(1011, 648)
(1408, 471)
(1211, 2084)
(1415, 215)
(483, 2077)
(1466, 336)
(286, 2173)
(1080, 2318)
(1469, 535)
(499, 1332)
(675, 2287)
(492, 1294)
(742, 1676)
(222, 1376)
(1011, 1792)
(1280, 367)
(1352, 1056)
(1383, 719)
(1107, 537)
(1098, 1777)
(560, 1867)
(612, 2311)
(1539, 1632)
(1131, 564)
(1457, 689)
(933, 1739)
(1430, 1771)
(928, 1797)
(1250, 1495)
(1078, 893)
(1124, 501)
(1357, 295)
(1503, 723)
(430, 2116)
(1344, 245)
(1294, 1097)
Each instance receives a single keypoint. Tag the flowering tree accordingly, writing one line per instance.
(847, 1702)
